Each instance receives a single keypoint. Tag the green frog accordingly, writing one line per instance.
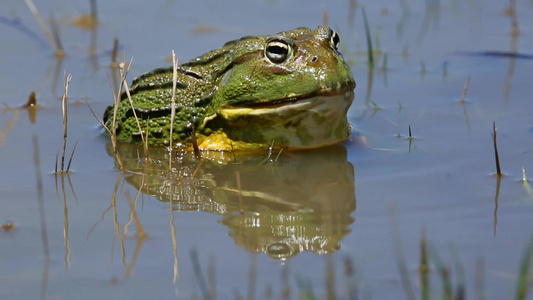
(292, 89)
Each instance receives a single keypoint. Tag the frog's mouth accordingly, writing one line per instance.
(309, 122)
(289, 100)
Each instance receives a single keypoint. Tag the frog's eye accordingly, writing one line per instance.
(278, 49)
(335, 40)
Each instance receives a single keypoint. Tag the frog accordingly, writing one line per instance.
(290, 90)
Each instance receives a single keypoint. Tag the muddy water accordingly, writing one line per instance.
(279, 216)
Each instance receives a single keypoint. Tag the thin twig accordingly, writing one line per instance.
(47, 34)
(65, 120)
(123, 72)
(465, 89)
(173, 100)
(368, 39)
(97, 118)
(496, 156)
(117, 99)
(55, 33)
(72, 155)
(145, 143)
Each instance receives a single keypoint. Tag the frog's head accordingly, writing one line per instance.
(292, 89)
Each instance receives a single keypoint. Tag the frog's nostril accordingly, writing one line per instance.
(314, 59)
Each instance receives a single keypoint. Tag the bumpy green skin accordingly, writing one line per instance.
(238, 75)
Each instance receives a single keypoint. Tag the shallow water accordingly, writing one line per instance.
(334, 200)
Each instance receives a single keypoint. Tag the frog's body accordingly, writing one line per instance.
(292, 89)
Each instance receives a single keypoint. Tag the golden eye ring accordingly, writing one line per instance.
(278, 49)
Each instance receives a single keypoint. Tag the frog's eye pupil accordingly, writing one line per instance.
(277, 51)
(335, 40)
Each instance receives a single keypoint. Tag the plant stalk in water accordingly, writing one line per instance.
(65, 122)
(496, 156)
(465, 89)
(173, 100)
(368, 39)
(57, 48)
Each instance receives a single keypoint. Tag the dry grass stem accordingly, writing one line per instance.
(173, 101)
(496, 156)
(72, 155)
(65, 119)
(117, 99)
(57, 40)
(47, 34)
(145, 143)
(123, 72)
(96, 117)
(368, 39)
(465, 89)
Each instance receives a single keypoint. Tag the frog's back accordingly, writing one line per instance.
(198, 68)
(151, 95)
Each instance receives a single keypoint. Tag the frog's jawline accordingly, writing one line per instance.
(289, 100)
(310, 123)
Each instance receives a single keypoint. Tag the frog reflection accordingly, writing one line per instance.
(300, 203)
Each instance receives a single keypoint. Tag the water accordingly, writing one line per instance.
(334, 200)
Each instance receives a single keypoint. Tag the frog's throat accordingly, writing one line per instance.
(307, 123)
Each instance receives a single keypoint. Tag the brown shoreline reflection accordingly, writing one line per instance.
(301, 202)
